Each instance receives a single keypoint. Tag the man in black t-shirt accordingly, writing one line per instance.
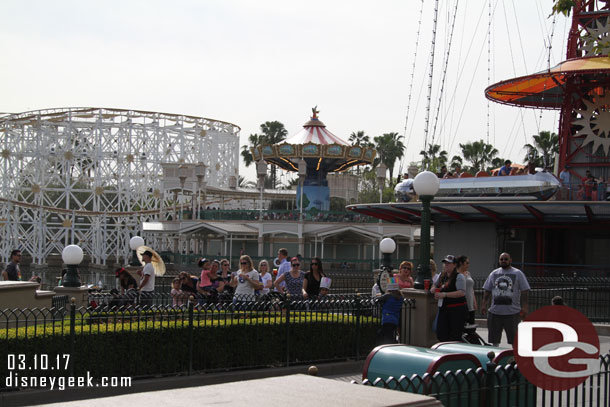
(12, 272)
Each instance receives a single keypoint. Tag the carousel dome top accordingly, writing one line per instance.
(321, 149)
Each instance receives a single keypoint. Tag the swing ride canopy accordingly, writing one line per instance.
(322, 150)
(547, 89)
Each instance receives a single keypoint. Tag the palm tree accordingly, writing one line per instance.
(434, 157)
(359, 138)
(390, 148)
(544, 149)
(255, 140)
(272, 133)
(246, 183)
(479, 153)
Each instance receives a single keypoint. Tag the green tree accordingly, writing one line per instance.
(359, 138)
(389, 148)
(479, 154)
(254, 141)
(272, 133)
(433, 158)
(544, 149)
(246, 183)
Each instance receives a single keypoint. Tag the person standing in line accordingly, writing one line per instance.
(293, 279)
(391, 304)
(265, 276)
(508, 290)
(463, 264)
(246, 280)
(12, 272)
(404, 278)
(147, 284)
(452, 302)
(284, 267)
(313, 278)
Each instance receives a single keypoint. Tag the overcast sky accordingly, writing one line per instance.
(248, 62)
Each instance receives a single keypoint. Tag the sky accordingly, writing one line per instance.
(361, 62)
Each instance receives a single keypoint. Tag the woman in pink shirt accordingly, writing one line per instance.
(404, 275)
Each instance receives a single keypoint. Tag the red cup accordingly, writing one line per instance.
(426, 285)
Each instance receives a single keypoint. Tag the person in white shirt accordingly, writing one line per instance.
(147, 283)
(246, 280)
(282, 256)
(266, 277)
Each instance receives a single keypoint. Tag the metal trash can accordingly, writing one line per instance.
(502, 356)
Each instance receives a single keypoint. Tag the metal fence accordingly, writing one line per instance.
(501, 386)
(143, 341)
(589, 295)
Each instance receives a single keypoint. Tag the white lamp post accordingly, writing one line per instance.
(387, 247)
(381, 170)
(302, 175)
(261, 171)
(426, 185)
(200, 174)
(134, 243)
(72, 256)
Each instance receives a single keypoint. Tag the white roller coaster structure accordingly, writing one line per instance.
(91, 176)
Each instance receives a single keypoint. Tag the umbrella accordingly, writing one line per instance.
(157, 261)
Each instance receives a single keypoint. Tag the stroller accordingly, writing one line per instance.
(470, 335)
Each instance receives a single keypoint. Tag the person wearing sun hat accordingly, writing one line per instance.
(147, 284)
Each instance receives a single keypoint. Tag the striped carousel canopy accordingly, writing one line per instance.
(319, 148)
(314, 131)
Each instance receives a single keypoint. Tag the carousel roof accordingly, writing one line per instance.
(547, 89)
(321, 149)
(314, 131)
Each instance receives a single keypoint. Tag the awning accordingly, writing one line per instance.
(593, 213)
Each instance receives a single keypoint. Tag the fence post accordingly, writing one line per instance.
(190, 334)
(287, 308)
(72, 335)
(574, 290)
(490, 380)
(358, 313)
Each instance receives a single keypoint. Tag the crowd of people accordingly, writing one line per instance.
(504, 300)
(248, 282)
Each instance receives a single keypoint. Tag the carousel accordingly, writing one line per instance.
(314, 152)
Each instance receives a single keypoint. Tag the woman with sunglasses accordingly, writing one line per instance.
(311, 284)
(225, 276)
(294, 280)
(404, 275)
(246, 280)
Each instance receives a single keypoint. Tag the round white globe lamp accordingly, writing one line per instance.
(72, 256)
(387, 247)
(136, 242)
(426, 183)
